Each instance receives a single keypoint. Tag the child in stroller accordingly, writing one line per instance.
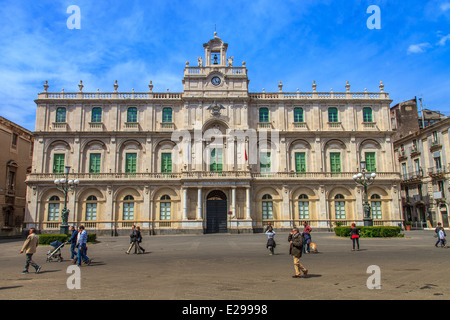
(56, 252)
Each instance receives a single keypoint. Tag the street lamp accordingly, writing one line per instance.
(65, 185)
(365, 179)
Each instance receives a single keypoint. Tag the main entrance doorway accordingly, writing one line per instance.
(216, 212)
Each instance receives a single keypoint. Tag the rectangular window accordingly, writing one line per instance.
(300, 162)
(404, 171)
(264, 162)
(376, 210)
(417, 167)
(53, 212)
(216, 163)
(58, 163)
(14, 140)
(332, 115)
(263, 115)
(128, 211)
(132, 114)
(165, 211)
(367, 115)
(267, 210)
(96, 115)
(166, 162)
(130, 163)
(303, 210)
(340, 210)
(370, 162)
(335, 162)
(94, 162)
(91, 211)
(167, 115)
(298, 115)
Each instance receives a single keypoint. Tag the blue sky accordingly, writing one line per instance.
(292, 41)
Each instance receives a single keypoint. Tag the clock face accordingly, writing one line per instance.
(215, 81)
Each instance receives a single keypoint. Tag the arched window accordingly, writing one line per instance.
(128, 208)
(165, 208)
(53, 209)
(132, 114)
(91, 208)
(339, 209)
(376, 207)
(61, 115)
(96, 115)
(298, 115)
(367, 114)
(267, 207)
(333, 115)
(303, 207)
(167, 115)
(263, 115)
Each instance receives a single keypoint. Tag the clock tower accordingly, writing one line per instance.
(215, 75)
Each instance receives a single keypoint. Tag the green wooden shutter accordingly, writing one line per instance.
(130, 163)
(94, 162)
(370, 162)
(300, 162)
(335, 162)
(216, 162)
(58, 163)
(166, 162)
(264, 161)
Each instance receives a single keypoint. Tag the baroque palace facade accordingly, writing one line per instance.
(214, 158)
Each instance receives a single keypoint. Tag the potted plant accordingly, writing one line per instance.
(408, 225)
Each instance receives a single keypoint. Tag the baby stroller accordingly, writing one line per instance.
(56, 252)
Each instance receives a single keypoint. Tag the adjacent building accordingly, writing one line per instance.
(15, 164)
(423, 161)
(213, 158)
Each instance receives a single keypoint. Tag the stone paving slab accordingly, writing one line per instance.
(234, 267)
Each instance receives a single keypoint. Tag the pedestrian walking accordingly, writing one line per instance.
(306, 234)
(270, 241)
(29, 247)
(295, 250)
(442, 236)
(354, 235)
(133, 241)
(73, 244)
(438, 228)
(139, 239)
(82, 246)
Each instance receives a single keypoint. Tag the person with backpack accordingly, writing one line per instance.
(295, 250)
(270, 240)
(354, 235)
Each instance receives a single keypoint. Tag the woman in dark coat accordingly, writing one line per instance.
(354, 235)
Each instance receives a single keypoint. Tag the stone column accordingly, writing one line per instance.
(185, 204)
(247, 199)
(233, 201)
(199, 204)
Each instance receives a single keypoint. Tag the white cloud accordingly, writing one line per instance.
(418, 48)
(443, 40)
(445, 6)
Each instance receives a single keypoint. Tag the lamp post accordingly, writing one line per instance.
(364, 178)
(65, 185)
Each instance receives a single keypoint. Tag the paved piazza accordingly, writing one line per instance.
(236, 267)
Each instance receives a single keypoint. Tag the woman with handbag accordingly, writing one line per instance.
(354, 235)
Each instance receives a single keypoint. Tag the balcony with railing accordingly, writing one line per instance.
(48, 178)
(436, 172)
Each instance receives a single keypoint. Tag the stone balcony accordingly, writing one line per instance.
(48, 178)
